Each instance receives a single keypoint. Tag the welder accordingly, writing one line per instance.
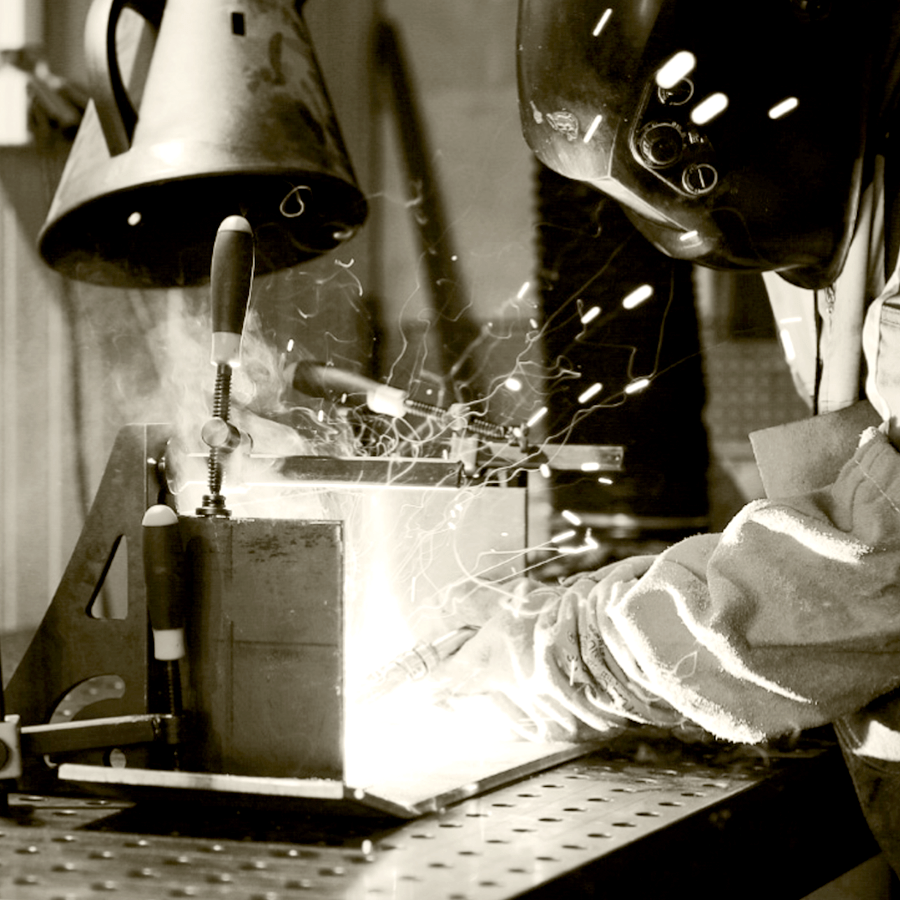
(757, 138)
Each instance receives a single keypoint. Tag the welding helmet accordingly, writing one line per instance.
(733, 134)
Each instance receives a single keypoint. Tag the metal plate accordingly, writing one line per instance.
(505, 844)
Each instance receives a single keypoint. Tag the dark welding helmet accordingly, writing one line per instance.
(733, 134)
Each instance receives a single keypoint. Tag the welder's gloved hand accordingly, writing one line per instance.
(543, 661)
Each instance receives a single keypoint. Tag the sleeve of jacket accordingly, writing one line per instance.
(786, 621)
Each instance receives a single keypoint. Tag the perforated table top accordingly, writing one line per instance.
(599, 821)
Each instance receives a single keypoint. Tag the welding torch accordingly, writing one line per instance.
(414, 664)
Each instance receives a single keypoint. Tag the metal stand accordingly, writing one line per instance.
(71, 646)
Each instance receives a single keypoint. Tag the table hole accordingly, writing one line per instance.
(546, 859)
(469, 853)
(333, 871)
(624, 824)
(548, 819)
(305, 884)
(573, 847)
(599, 834)
(670, 803)
(648, 814)
(504, 805)
(598, 799)
(142, 873)
(573, 809)
(496, 841)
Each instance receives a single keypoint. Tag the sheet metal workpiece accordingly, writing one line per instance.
(598, 827)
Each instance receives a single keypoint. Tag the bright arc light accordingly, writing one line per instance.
(638, 296)
(569, 516)
(637, 385)
(675, 68)
(708, 108)
(592, 129)
(601, 23)
(592, 391)
(513, 384)
(537, 417)
(788, 105)
(590, 315)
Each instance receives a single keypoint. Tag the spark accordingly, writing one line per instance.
(134, 219)
(708, 108)
(290, 345)
(533, 323)
(513, 384)
(675, 68)
(636, 386)
(537, 417)
(592, 129)
(601, 23)
(638, 296)
(571, 517)
(563, 536)
(590, 467)
(544, 470)
(604, 480)
(590, 315)
(689, 236)
(592, 391)
(788, 105)
(523, 290)
(301, 206)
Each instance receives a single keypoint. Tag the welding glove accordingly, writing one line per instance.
(543, 661)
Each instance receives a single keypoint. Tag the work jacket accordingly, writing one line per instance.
(789, 619)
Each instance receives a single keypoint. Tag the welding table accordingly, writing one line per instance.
(622, 822)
